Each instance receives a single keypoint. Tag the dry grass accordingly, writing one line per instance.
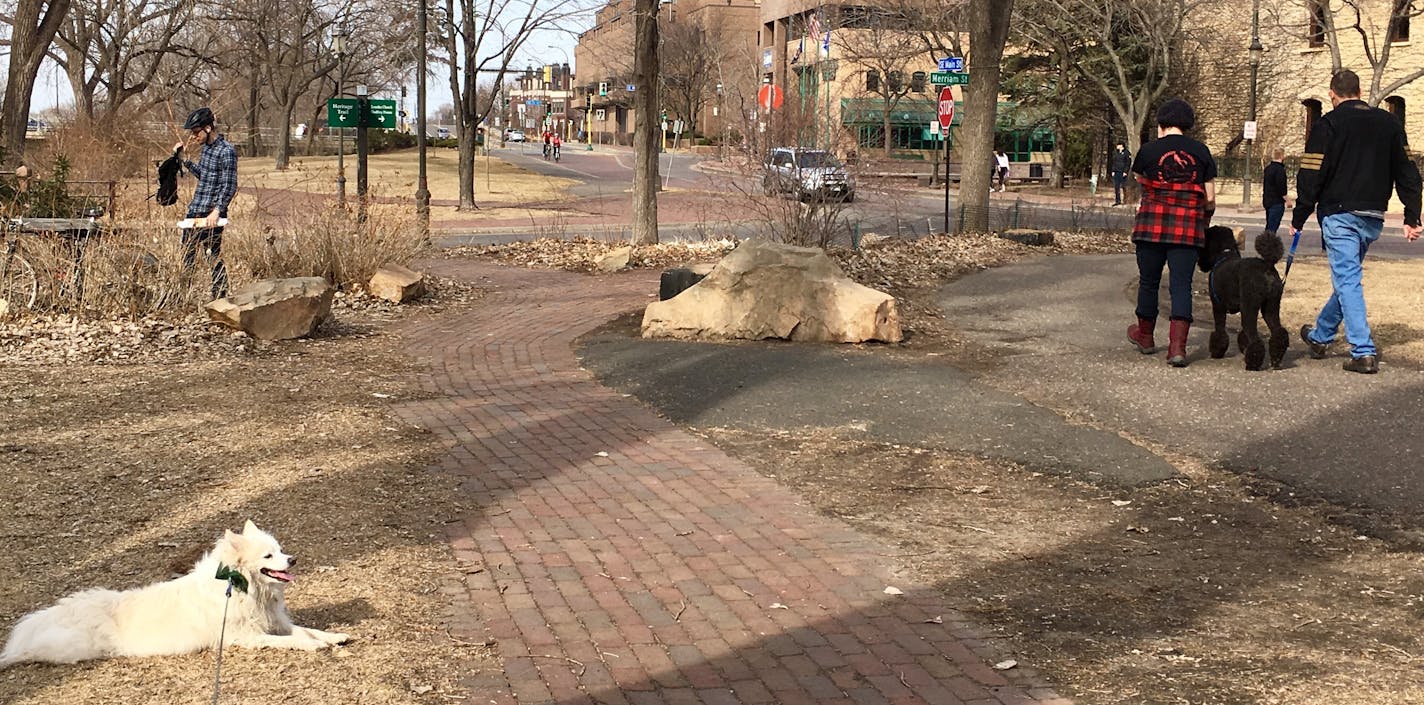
(1392, 298)
(496, 181)
(118, 474)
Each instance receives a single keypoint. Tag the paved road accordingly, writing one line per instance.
(1057, 326)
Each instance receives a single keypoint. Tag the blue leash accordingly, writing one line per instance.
(1295, 240)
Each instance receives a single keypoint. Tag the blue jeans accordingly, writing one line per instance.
(1347, 237)
(1273, 217)
(1181, 261)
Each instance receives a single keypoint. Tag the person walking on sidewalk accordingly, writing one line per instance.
(1121, 163)
(1354, 155)
(216, 170)
(1178, 178)
(1001, 167)
(1273, 190)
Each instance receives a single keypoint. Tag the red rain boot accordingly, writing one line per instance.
(1141, 335)
(1177, 343)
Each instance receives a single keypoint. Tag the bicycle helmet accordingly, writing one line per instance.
(202, 117)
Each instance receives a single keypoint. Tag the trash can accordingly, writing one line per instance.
(1035, 171)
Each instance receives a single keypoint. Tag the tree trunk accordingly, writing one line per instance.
(465, 135)
(885, 132)
(645, 122)
(35, 24)
(988, 30)
(284, 144)
(253, 100)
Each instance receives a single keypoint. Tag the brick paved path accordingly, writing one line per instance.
(627, 561)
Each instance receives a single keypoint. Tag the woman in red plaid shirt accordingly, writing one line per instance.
(1178, 176)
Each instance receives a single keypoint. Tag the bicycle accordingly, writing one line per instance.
(547, 149)
(46, 262)
(557, 152)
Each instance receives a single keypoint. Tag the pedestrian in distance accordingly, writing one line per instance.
(1273, 190)
(1121, 164)
(1354, 156)
(1178, 179)
(1001, 165)
(216, 170)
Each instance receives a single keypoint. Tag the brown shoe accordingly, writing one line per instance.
(1366, 365)
(1318, 351)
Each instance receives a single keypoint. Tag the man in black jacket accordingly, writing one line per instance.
(1121, 164)
(1273, 190)
(1354, 155)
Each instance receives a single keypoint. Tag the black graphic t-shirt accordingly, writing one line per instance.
(1173, 171)
(1175, 159)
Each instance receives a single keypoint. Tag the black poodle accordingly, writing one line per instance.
(1249, 286)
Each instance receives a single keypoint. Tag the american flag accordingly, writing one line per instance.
(815, 27)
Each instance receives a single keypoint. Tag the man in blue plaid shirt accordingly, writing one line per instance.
(216, 170)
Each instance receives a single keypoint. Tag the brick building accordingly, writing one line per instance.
(726, 31)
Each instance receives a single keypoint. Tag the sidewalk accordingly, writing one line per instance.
(614, 558)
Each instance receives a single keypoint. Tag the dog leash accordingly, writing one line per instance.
(1295, 240)
(239, 581)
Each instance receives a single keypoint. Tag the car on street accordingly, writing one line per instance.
(807, 174)
(442, 133)
(514, 136)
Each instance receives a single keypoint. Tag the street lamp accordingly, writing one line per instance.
(1253, 53)
(338, 46)
(722, 118)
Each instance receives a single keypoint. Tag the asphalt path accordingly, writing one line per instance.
(1057, 327)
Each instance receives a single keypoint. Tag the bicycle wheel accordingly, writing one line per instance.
(18, 284)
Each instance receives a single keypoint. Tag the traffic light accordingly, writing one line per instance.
(549, 74)
(917, 81)
(602, 88)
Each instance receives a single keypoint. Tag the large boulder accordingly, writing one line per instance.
(396, 284)
(276, 309)
(767, 290)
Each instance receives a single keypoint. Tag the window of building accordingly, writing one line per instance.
(1312, 113)
(1395, 105)
(1399, 23)
(1319, 20)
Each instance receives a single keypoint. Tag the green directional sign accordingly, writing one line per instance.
(341, 112)
(381, 113)
(946, 78)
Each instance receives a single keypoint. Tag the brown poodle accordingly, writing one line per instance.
(1249, 286)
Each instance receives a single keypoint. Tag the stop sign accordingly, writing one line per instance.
(946, 107)
(770, 97)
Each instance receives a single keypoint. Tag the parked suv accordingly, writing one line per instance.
(807, 173)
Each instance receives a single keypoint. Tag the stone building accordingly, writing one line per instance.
(1300, 51)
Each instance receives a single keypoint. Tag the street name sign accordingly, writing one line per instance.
(946, 78)
(951, 63)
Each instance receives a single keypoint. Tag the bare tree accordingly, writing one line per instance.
(1131, 47)
(884, 48)
(33, 24)
(691, 52)
(1373, 26)
(113, 50)
(485, 37)
(645, 122)
(1044, 74)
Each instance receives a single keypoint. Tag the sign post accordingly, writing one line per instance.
(946, 117)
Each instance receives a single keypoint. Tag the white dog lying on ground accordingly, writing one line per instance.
(180, 616)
